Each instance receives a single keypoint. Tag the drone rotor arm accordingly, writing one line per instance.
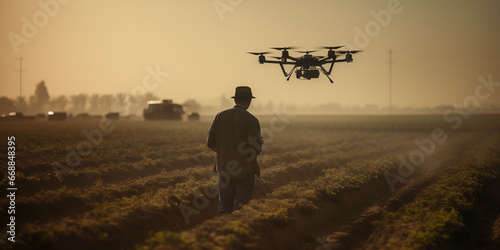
(341, 60)
(325, 60)
(279, 62)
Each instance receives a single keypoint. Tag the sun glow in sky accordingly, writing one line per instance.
(440, 48)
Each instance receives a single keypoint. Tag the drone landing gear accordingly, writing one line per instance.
(331, 81)
(327, 73)
(287, 75)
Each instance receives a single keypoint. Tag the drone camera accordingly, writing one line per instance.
(314, 73)
(307, 73)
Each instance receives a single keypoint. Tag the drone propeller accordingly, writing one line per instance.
(277, 57)
(349, 52)
(307, 52)
(283, 48)
(331, 47)
(258, 53)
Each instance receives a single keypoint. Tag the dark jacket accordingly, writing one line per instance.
(235, 134)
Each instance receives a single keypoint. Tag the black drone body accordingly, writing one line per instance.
(307, 66)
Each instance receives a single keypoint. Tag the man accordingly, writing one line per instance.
(235, 137)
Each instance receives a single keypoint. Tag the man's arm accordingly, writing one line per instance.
(254, 137)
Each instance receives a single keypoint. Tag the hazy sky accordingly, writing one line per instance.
(105, 47)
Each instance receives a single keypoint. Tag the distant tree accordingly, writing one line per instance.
(39, 101)
(95, 107)
(143, 98)
(21, 105)
(79, 102)
(58, 104)
(6, 105)
(41, 93)
(191, 105)
(139, 101)
(121, 99)
(105, 102)
(32, 106)
(136, 99)
(150, 96)
(120, 104)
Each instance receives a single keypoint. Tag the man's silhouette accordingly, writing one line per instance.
(235, 136)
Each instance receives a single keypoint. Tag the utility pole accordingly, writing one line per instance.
(390, 81)
(20, 77)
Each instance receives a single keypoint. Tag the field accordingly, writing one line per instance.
(332, 182)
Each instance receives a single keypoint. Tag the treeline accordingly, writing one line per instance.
(41, 102)
(128, 104)
(93, 104)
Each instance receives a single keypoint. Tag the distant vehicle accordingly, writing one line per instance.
(307, 66)
(16, 116)
(112, 116)
(56, 116)
(163, 110)
(193, 116)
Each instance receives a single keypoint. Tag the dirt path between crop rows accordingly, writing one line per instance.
(353, 228)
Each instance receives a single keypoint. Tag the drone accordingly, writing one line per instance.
(307, 66)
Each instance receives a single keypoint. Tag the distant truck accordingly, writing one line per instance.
(163, 110)
(193, 116)
(56, 116)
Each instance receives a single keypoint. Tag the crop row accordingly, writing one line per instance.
(439, 214)
(103, 212)
(253, 224)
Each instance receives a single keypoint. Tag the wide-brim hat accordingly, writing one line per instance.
(243, 92)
